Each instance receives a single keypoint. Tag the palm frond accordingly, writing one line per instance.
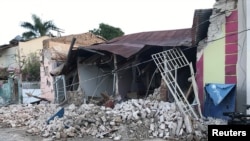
(50, 25)
(29, 35)
(37, 20)
(38, 24)
(28, 26)
(39, 28)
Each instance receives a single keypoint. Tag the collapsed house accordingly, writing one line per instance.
(123, 67)
(133, 66)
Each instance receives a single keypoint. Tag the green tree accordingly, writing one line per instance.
(31, 68)
(38, 28)
(107, 31)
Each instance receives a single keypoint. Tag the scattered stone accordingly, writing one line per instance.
(136, 118)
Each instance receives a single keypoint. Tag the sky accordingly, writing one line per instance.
(80, 16)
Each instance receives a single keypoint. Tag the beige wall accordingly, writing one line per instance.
(214, 60)
(35, 45)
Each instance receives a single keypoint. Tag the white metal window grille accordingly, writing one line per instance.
(60, 89)
(168, 62)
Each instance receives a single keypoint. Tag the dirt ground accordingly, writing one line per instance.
(19, 134)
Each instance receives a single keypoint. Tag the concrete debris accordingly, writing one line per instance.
(136, 118)
(221, 10)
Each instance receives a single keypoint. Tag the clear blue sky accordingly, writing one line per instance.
(80, 16)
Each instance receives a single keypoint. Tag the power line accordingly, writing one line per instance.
(231, 34)
(203, 22)
(107, 74)
(135, 65)
(222, 13)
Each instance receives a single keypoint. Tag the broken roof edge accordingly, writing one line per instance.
(201, 21)
(83, 39)
(124, 50)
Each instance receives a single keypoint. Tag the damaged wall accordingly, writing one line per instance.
(55, 52)
(125, 85)
(93, 80)
(217, 54)
(47, 87)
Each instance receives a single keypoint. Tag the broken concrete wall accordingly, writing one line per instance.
(55, 51)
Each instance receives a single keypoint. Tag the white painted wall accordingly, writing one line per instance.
(93, 81)
(248, 50)
(243, 65)
(8, 58)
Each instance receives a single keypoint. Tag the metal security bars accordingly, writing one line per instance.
(60, 89)
(168, 62)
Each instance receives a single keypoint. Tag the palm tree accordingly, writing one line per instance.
(39, 28)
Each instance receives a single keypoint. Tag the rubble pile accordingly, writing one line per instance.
(132, 119)
(135, 118)
(23, 115)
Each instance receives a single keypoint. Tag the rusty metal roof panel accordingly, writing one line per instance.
(129, 45)
(180, 37)
(125, 50)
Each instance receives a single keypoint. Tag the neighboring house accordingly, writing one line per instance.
(31, 46)
(8, 68)
(26, 48)
(12, 58)
(123, 67)
(10, 54)
(8, 57)
(55, 53)
(222, 56)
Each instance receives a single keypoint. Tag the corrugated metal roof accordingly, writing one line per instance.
(129, 45)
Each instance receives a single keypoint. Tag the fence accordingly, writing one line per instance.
(32, 88)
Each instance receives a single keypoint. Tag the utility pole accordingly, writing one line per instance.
(116, 81)
(20, 86)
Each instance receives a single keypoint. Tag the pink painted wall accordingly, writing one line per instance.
(47, 87)
(231, 48)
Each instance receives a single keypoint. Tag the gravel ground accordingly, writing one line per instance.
(19, 134)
